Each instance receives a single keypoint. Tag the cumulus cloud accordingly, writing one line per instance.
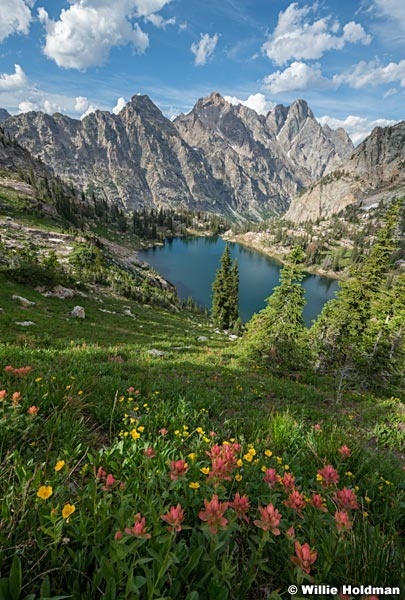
(298, 76)
(371, 73)
(256, 102)
(121, 102)
(392, 9)
(15, 81)
(159, 22)
(297, 37)
(357, 127)
(204, 49)
(27, 106)
(15, 17)
(85, 33)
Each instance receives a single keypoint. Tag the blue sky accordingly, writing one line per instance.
(346, 58)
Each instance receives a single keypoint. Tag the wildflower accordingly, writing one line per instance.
(240, 505)
(109, 482)
(134, 434)
(346, 499)
(141, 429)
(329, 476)
(9, 369)
(344, 451)
(367, 499)
(15, 398)
(3, 394)
(205, 470)
(118, 536)
(212, 434)
(239, 462)
(139, 527)
(342, 520)
(238, 477)
(318, 502)
(149, 452)
(68, 510)
(80, 393)
(45, 492)
(101, 473)
(200, 430)
(287, 481)
(174, 517)
(38, 379)
(177, 468)
(271, 477)
(305, 557)
(296, 501)
(268, 453)
(214, 514)
(192, 456)
(59, 465)
(194, 485)
(33, 410)
(163, 431)
(248, 457)
(270, 519)
(290, 533)
(317, 427)
(131, 389)
(349, 474)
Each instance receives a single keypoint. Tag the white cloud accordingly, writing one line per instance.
(371, 73)
(81, 104)
(204, 49)
(121, 102)
(298, 76)
(392, 9)
(390, 92)
(27, 106)
(159, 22)
(297, 37)
(15, 81)
(85, 33)
(90, 109)
(15, 17)
(357, 127)
(256, 102)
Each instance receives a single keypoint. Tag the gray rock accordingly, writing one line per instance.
(23, 301)
(154, 352)
(78, 312)
(59, 292)
(202, 338)
(25, 323)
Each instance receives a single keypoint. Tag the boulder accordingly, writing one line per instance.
(23, 301)
(78, 312)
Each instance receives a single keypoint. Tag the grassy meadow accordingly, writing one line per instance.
(189, 474)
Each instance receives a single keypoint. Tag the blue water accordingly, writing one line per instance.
(191, 265)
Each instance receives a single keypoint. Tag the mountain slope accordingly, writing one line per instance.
(220, 157)
(374, 171)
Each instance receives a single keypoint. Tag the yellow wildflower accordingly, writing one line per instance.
(349, 474)
(68, 510)
(200, 430)
(238, 477)
(59, 465)
(268, 453)
(206, 440)
(45, 492)
(319, 477)
(286, 467)
(367, 499)
(239, 462)
(248, 457)
(192, 456)
(38, 379)
(135, 434)
(141, 428)
(205, 470)
(194, 485)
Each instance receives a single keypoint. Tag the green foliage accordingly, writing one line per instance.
(359, 335)
(277, 333)
(225, 293)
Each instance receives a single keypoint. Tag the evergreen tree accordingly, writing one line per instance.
(277, 333)
(225, 299)
(342, 333)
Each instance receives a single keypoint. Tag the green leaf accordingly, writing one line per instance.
(193, 561)
(15, 578)
(4, 589)
(45, 589)
(193, 595)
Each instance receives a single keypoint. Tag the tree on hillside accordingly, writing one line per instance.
(343, 333)
(225, 296)
(277, 333)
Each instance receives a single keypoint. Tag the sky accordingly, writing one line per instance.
(346, 58)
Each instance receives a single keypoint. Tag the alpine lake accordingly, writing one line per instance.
(191, 263)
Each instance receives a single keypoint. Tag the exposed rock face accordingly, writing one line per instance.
(264, 160)
(218, 157)
(374, 171)
(4, 114)
(13, 157)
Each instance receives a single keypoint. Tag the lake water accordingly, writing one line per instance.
(191, 265)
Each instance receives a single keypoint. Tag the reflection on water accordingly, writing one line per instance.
(191, 264)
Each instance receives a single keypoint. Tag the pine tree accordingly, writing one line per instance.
(225, 298)
(339, 336)
(277, 333)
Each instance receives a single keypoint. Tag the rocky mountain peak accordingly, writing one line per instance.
(4, 114)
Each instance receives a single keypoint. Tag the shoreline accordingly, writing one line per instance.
(255, 241)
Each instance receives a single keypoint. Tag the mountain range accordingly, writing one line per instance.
(219, 157)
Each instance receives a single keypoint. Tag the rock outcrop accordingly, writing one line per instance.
(374, 172)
